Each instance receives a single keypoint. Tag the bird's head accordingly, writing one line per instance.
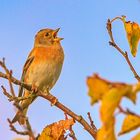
(47, 37)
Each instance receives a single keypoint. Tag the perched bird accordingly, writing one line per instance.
(42, 68)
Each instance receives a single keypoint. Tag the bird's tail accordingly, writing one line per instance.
(20, 117)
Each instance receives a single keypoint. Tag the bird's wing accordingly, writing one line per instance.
(25, 68)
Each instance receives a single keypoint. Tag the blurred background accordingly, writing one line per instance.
(83, 26)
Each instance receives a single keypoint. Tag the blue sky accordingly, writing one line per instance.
(83, 26)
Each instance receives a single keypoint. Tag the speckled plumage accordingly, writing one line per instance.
(43, 66)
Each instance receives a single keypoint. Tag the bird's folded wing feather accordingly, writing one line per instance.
(25, 68)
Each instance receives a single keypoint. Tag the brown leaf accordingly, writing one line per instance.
(56, 130)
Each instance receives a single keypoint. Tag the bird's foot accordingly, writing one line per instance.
(54, 101)
(34, 88)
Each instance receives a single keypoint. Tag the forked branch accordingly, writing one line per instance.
(51, 98)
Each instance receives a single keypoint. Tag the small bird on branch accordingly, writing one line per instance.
(41, 69)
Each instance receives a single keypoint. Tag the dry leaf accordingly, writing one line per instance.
(56, 130)
(131, 122)
(133, 35)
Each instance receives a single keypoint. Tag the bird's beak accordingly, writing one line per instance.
(58, 39)
(55, 35)
(55, 32)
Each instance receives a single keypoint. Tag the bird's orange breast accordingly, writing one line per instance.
(53, 53)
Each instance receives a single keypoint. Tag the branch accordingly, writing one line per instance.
(126, 111)
(124, 54)
(72, 134)
(76, 117)
(9, 74)
(91, 122)
(24, 133)
(28, 131)
(52, 98)
(15, 130)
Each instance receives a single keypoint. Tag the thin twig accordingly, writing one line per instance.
(66, 116)
(62, 107)
(12, 97)
(6, 93)
(124, 54)
(9, 74)
(15, 130)
(91, 122)
(72, 134)
(29, 128)
(119, 18)
(28, 132)
(126, 111)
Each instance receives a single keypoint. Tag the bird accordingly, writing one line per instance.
(41, 69)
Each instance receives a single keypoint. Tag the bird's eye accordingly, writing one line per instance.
(47, 34)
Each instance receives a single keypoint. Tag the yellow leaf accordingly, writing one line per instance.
(133, 35)
(97, 88)
(56, 130)
(110, 103)
(107, 133)
(110, 95)
(137, 137)
(131, 122)
(132, 92)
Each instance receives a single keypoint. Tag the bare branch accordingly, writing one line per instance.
(9, 75)
(6, 93)
(28, 132)
(56, 103)
(15, 130)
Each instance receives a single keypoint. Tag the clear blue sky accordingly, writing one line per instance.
(83, 25)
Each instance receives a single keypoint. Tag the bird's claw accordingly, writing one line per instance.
(54, 101)
(34, 88)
